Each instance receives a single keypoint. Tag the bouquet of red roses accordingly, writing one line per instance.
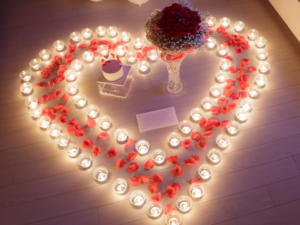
(177, 28)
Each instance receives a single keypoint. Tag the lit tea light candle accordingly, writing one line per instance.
(241, 115)
(121, 134)
(225, 21)
(72, 150)
(131, 56)
(158, 156)
(88, 56)
(71, 88)
(76, 64)
(70, 75)
(45, 54)
(137, 198)
(54, 130)
(101, 31)
(152, 54)
(25, 75)
(211, 42)
(252, 34)
(92, 111)
(225, 63)
(87, 33)
(264, 67)
(233, 127)
(223, 49)
(103, 50)
(35, 113)
(173, 218)
(112, 31)
(262, 54)
(239, 25)
(84, 160)
(261, 80)
(207, 103)
(104, 122)
(215, 90)
(59, 45)
(26, 88)
(196, 190)
(138, 43)
(174, 139)
(125, 36)
(75, 36)
(221, 76)
(211, 21)
(222, 141)
(100, 173)
(254, 91)
(80, 100)
(214, 155)
(31, 102)
(154, 209)
(186, 126)
(43, 122)
(142, 147)
(247, 104)
(61, 139)
(205, 171)
(143, 65)
(119, 186)
(196, 114)
(35, 64)
(120, 50)
(260, 42)
(184, 203)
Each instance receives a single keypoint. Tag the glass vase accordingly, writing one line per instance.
(173, 62)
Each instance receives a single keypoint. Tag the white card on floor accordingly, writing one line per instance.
(157, 119)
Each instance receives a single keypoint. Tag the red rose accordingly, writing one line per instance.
(185, 30)
(186, 10)
(175, 34)
(178, 26)
(192, 30)
(185, 22)
(167, 31)
(176, 7)
(161, 22)
(197, 19)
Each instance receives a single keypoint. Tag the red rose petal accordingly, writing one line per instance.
(230, 82)
(90, 123)
(70, 129)
(222, 101)
(238, 50)
(195, 136)
(131, 156)
(132, 167)
(69, 61)
(235, 96)
(144, 179)
(81, 46)
(202, 122)
(111, 153)
(189, 162)
(227, 93)
(173, 159)
(153, 187)
(68, 56)
(156, 197)
(231, 105)
(155, 178)
(224, 123)
(215, 110)
(149, 164)
(251, 69)
(232, 69)
(201, 144)
(221, 29)
(241, 71)
(177, 171)
(195, 157)
(96, 150)
(208, 127)
(72, 121)
(170, 192)
(186, 143)
(228, 88)
(64, 111)
(128, 142)
(103, 134)
(213, 120)
(244, 94)
(79, 132)
(207, 134)
(225, 35)
(66, 96)
(225, 109)
(41, 84)
(87, 143)
(121, 163)
(134, 181)
(52, 116)
(168, 209)
(195, 180)
(246, 78)
(61, 119)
